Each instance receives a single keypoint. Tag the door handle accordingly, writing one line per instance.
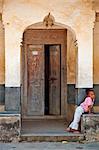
(52, 79)
(42, 79)
(36, 81)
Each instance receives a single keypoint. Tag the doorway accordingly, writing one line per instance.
(44, 81)
(52, 79)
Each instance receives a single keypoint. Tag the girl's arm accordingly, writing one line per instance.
(92, 110)
(89, 109)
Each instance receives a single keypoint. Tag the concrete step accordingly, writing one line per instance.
(47, 130)
(52, 137)
(2, 108)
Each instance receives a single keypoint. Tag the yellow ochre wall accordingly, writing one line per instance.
(2, 55)
(96, 52)
(71, 56)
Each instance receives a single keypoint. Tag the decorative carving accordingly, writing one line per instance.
(88, 2)
(75, 43)
(49, 20)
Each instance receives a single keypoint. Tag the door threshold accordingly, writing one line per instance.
(43, 117)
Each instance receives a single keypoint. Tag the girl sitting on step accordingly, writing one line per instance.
(85, 107)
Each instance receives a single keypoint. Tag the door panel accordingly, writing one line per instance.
(35, 80)
(54, 80)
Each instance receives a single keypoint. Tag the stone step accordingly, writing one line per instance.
(47, 130)
(52, 137)
(2, 108)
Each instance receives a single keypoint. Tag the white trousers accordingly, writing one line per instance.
(75, 123)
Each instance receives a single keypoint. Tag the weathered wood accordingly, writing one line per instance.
(35, 80)
(54, 79)
(43, 37)
(40, 36)
(22, 78)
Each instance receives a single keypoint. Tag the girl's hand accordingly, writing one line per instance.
(89, 109)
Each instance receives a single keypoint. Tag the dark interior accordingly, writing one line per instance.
(46, 79)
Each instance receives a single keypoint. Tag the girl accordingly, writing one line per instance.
(85, 106)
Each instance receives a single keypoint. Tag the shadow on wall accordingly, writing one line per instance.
(2, 94)
(76, 96)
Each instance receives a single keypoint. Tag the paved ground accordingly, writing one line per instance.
(49, 146)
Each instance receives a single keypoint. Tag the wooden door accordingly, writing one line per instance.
(35, 80)
(54, 80)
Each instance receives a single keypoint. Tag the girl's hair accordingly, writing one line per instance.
(89, 90)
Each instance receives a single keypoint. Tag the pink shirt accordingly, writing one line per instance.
(87, 102)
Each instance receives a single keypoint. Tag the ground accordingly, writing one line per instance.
(49, 146)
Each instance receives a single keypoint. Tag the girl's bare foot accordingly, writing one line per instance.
(68, 129)
(75, 131)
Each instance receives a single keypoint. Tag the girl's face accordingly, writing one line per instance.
(91, 94)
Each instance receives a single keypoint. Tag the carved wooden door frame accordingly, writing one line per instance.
(43, 36)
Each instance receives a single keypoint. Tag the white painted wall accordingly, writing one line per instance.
(77, 14)
(85, 59)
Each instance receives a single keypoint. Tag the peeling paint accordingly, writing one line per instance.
(77, 14)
